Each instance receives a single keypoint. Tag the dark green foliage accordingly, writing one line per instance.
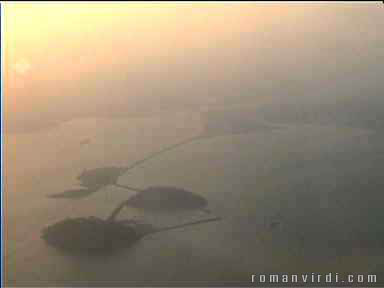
(89, 235)
(167, 198)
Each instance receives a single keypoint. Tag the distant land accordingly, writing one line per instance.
(359, 112)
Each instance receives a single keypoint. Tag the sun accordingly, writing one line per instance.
(22, 67)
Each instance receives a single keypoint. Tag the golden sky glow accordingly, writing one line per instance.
(56, 42)
(85, 51)
(86, 35)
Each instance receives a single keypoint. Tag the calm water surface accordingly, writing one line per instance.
(318, 183)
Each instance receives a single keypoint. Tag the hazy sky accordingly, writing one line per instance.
(65, 59)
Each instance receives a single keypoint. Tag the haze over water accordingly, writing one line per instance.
(290, 96)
